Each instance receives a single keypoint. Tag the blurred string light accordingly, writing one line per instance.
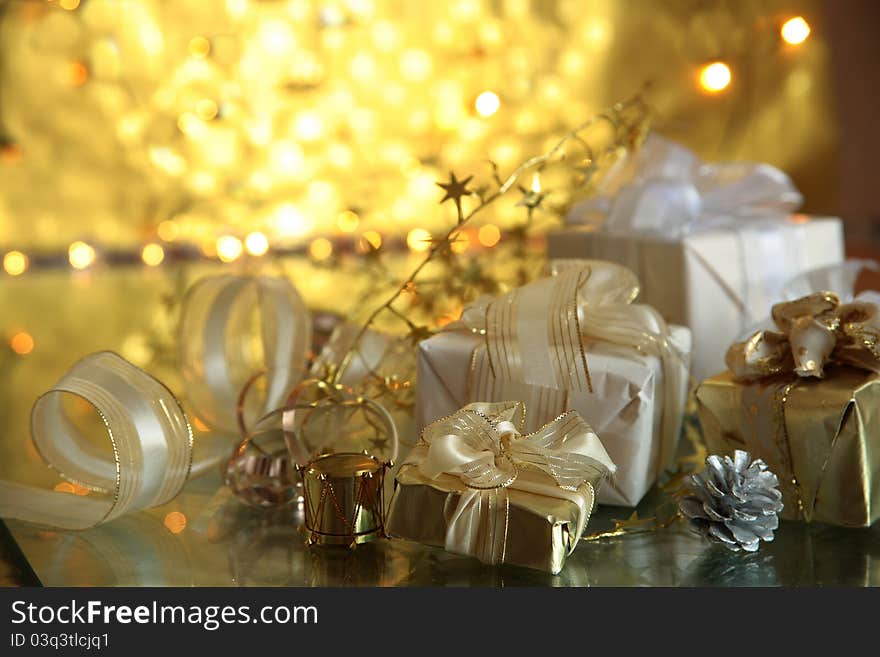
(80, 255)
(229, 248)
(489, 235)
(371, 239)
(795, 30)
(347, 221)
(321, 248)
(256, 243)
(168, 231)
(487, 103)
(152, 254)
(15, 263)
(418, 240)
(715, 77)
(22, 343)
(300, 118)
(175, 522)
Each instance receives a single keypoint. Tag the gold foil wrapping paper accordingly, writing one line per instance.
(541, 530)
(818, 435)
(476, 485)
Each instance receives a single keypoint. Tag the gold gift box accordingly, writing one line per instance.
(541, 530)
(820, 436)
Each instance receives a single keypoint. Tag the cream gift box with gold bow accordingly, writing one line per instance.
(571, 341)
(712, 244)
(476, 485)
(805, 398)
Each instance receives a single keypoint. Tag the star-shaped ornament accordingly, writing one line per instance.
(455, 188)
(531, 198)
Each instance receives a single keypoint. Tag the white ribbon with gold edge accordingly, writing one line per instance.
(220, 352)
(151, 454)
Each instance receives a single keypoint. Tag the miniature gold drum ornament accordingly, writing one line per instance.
(344, 492)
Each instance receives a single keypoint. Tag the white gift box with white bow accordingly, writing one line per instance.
(712, 244)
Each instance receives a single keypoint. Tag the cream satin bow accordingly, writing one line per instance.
(481, 445)
(664, 189)
(813, 331)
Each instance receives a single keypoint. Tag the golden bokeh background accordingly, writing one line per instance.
(240, 125)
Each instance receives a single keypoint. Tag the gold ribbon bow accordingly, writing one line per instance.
(814, 331)
(483, 446)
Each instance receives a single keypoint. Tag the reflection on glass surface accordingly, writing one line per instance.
(207, 537)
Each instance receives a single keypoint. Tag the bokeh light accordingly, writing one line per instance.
(489, 235)
(795, 30)
(715, 77)
(347, 221)
(487, 103)
(370, 239)
(22, 343)
(300, 119)
(256, 243)
(80, 255)
(229, 248)
(152, 254)
(15, 263)
(418, 239)
(168, 231)
(175, 522)
(321, 248)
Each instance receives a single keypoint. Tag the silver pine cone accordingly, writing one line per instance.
(734, 502)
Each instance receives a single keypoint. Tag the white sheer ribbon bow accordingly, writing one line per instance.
(150, 460)
(664, 189)
(482, 445)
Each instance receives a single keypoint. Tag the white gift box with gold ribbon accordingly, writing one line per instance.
(571, 341)
(712, 244)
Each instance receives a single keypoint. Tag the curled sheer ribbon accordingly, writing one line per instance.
(482, 445)
(297, 410)
(664, 189)
(537, 333)
(812, 332)
(216, 350)
(152, 447)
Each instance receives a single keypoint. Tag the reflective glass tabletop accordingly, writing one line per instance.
(207, 537)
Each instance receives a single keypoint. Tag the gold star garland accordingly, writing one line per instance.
(602, 140)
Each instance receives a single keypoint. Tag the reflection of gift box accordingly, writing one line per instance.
(635, 397)
(805, 398)
(712, 245)
(475, 486)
